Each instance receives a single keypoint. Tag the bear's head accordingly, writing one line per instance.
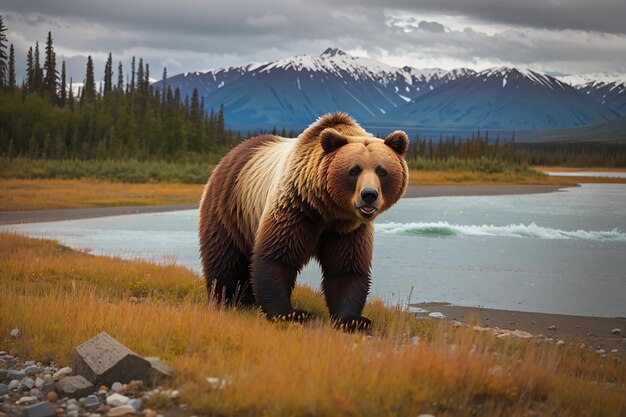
(365, 175)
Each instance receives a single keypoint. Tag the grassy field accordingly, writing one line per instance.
(59, 298)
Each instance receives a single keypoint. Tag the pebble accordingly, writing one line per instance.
(72, 413)
(36, 393)
(121, 410)
(13, 374)
(39, 410)
(614, 350)
(26, 400)
(15, 333)
(27, 384)
(552, 327)
(71, 407)
(616, 331)
(62, 373)
(3, 374)
(14, 384)
(52, 396)
(117, 387)
(149, 412)
(135, 403)
(115, 400)
(39, 383)
(560, 343)
(91, 401)
(31, 370)
(601, 352)
(4, 389)
(436, 315)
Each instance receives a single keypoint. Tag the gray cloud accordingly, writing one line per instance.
(431, 26)
(191, 35)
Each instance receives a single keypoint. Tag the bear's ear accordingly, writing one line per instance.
(332, 140)
(398, 141)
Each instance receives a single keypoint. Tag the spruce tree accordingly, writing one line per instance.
(50, 81)
(132, 75)
(30, 71)
(120, 77)
(3, 54)
(89, 88)
(63, 92)
(12, 68)
(38, 73)
(108, 75)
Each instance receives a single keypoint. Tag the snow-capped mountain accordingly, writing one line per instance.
(500, 99)
(612, 94)
(292, 92)
(577, 80)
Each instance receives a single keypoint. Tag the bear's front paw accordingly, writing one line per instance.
(293, 315)
(353, 324)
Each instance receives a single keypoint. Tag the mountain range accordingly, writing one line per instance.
(293, 92)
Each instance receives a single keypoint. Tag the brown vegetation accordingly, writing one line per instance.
(59, 298)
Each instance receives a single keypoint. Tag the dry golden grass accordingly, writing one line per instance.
(41, 194)
(59, 298)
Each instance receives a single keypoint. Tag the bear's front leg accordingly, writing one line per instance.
(285, 241)
(346, 260)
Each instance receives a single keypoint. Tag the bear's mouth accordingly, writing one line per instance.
(367, 211)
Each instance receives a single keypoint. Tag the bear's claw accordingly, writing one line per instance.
(297, 316)
(353, 324)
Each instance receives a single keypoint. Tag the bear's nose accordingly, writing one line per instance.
(369, 195)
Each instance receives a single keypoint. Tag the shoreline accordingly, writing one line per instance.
(594, 332)
(413, 191)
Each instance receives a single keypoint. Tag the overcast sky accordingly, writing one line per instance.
(553, 36)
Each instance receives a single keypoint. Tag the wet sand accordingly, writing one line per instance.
(594, 332)
(37, 216)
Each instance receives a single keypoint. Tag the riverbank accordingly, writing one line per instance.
(598, 334)
(413, 191)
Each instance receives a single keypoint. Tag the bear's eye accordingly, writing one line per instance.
(381, 172)
(354, 171)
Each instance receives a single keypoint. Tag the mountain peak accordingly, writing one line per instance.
(333, 52)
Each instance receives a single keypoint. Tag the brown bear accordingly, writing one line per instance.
(274, 203)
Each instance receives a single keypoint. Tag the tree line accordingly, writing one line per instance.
(119, 118)
(43, 117)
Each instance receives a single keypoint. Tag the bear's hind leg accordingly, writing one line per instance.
(226, 268)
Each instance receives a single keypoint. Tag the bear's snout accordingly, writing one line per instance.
(369, 195)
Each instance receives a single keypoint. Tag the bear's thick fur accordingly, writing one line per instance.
(273, 203)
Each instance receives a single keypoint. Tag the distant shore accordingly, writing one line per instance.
(413, 191)
(594, 332)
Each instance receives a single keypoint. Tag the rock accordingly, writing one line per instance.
(31, 370)
(14, 384)
(36, 393)
(217, 383)
(4, 389)
(149, 412)
(15, 333)
(72, 413)
(136, 403)
(62, 373)
(91, 401)
(552, 327)
(39, 383)
(52, 396)
(27, 384)
(436, 315)
(13, 374)
(103, 361)
(601, 352)
(75, 386)
(135, 387)
(72, 407)
(26, 400)
(3, 374)
(158, 371)
(560, 343)
(116, 399)
(40, 410)
(616, 331)
(121, 410)
(117, 387)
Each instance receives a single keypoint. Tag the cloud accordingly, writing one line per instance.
(190, 35)
(431, 26)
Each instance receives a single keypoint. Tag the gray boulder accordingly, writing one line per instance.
(75, 386)
(103, 360)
